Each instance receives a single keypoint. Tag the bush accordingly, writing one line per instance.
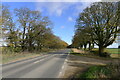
(17, 49)
(7, 50)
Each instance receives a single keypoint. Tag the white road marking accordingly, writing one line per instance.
(43, 59)
(66, 60)
(36, 62)
(39, 60)
(68, 54)
(61, 74)
(63, 67)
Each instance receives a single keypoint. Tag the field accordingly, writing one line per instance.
(113, 50)
(110, 50)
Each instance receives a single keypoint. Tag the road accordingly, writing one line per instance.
(47, 66)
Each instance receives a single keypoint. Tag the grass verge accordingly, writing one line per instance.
(6, 58)
(101, 72)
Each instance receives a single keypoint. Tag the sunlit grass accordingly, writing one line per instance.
(113, 51)
(110, 50)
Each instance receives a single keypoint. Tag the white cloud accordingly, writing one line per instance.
(70, 19)
(80, 8)
(67, 0)
(59, 12)
(52, 0)
(56, 8)
(62, 27)
(59, 0)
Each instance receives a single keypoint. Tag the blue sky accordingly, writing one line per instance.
(62, 14)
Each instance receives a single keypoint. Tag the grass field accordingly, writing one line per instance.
(113, 50)
(110, 50)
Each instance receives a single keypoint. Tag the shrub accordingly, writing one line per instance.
(7, 50)
(17, 49)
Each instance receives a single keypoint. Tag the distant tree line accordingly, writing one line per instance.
(28, 30)
(98, 24)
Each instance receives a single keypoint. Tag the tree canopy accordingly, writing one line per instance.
(29, 30)
(98, 24)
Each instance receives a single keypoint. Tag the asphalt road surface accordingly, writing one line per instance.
(47, 66)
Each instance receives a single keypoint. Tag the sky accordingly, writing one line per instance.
(62, 14)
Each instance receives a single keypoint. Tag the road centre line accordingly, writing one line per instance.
(43, 59)
(63, 67)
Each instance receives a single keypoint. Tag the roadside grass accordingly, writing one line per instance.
(0, 55)
(11, 56)
(95, 72)
(6, 58)
(101, 72)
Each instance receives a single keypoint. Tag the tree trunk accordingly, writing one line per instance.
(30, 46)
(92, 46)
(85, 45)
(23, 42)
(89, 45)
(15, 44)
(81, 46)
(29, 39)
(101, 50)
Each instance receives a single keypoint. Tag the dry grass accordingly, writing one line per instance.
(11, 56)
(115, 55)
(78, 51)
(6, 58)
